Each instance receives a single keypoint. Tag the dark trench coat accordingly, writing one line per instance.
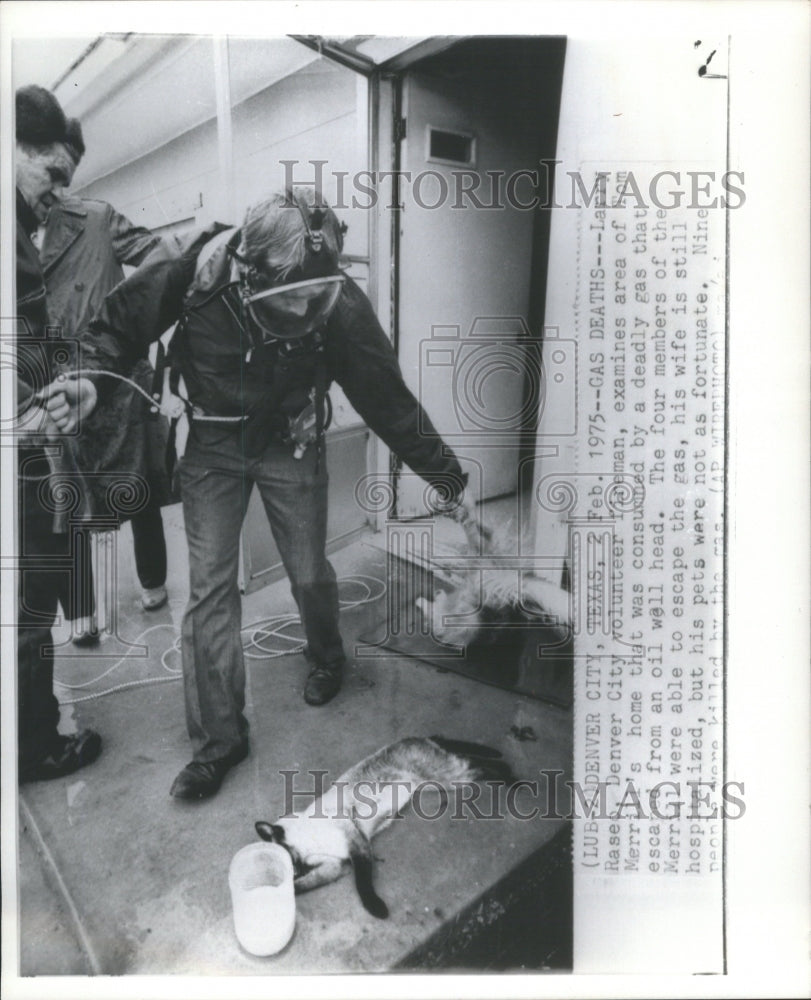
(85, 244)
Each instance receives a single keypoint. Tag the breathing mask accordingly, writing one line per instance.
(290, 306)
(290, 312)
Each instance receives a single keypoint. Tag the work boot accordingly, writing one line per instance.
(323, 683)
(202, 779)
(67, 755)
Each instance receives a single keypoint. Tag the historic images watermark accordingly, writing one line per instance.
(544, 798)
(549, 186)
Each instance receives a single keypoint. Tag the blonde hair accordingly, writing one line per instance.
(275, 234)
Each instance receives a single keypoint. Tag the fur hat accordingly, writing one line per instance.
(40, 120)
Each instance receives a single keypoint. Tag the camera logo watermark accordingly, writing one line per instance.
(502, 379)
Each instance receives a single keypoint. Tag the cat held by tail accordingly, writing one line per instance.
(335, 831)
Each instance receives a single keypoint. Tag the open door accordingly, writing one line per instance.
(470, 120)
(476, 120)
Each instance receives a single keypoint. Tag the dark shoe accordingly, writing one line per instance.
(86, 639)
(69, 754)
(85, 631)
(323, 683)
(201, 780)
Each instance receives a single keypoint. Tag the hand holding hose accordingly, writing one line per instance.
(476, 533)
(457, 507)
(67, 401)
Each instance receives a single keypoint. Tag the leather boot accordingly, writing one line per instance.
(201, 780)
(323, 683)
(67, 755)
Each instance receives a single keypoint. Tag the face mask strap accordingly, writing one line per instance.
(313, 220)
(247, 273)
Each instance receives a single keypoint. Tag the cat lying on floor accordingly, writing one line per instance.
(486, 602)
(481, 602)
(335, 831)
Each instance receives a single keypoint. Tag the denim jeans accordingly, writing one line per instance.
(216, 481)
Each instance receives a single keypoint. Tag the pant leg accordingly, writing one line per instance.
(294, 492)
(215, 495)
(65, 594)
(39, 580)
(149, 545)
(76, 592)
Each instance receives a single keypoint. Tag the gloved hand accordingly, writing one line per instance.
(462, 510)
(478, 536)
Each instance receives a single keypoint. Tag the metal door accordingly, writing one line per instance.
(464, 271)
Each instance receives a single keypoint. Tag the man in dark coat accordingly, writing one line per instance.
(266, 321)
(85, 243)
(44, 165)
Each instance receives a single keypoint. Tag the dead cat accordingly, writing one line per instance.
(335, 831)
(485, 602)
(480, 603)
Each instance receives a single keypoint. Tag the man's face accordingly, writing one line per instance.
(42, 173)
(291, 311)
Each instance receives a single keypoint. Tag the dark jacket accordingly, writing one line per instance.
(32, 312)
(359, 356)
(34, 350)
(86, 243)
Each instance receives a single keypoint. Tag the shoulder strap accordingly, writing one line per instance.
(214, 265)
(156, 386)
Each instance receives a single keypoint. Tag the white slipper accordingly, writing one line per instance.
(153, 598)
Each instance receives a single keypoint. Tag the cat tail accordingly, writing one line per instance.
(487, 769)
(360, 854)
(486, 763)
(465, 748)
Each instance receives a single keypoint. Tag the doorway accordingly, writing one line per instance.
(473, 124)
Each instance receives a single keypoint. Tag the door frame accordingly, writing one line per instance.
(385, 135)
(538, 263)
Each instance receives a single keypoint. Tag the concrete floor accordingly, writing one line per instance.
(117, 877)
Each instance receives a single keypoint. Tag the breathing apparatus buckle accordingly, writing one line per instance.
(302, 430)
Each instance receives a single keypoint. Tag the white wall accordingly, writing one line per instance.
(317, 113)
(174, 183)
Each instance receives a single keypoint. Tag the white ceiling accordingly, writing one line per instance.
(44, 60)
(146, 90)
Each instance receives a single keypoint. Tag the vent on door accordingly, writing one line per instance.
(450, 147)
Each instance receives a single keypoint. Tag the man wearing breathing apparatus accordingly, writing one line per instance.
(266, 321)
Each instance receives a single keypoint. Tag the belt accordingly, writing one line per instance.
(198, 413)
